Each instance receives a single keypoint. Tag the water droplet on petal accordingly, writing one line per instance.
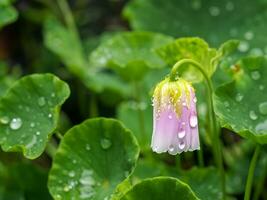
(239, 97)
(253, 115)
(15, 123)
(184, 103)
(181, 134)
(255, 75)
(41, 101)
(4, 120)
(171, 148)
(193, 121)
(181, 145)
(195, 99)
(105, 143)
(263, 108)
(170, 116)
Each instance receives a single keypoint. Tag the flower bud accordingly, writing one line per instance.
(175, 124)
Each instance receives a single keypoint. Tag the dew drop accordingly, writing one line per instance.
(41, 101)
(196, 4)
(171, 148)
(15, 123)
(263, 108)
(105, 143)
(214, 11)
(226, 104)
(249, 35)
(170, 116)
(229, 6)
(49, 115)
(181, 145)
(193, 121)
(71, 174)
(38, 133)
(88, 147)
(32, 124)
(184, 103)
(87, 178)
(239, 97)
(243, 46)
(261, 127)
(181, 134)
(66, 188)
(261, 87)
(255, 75)
(253, 115)
(195, 99)
(53, 94)
(4, 120)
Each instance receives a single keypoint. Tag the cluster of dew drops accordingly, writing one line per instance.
(16, 123)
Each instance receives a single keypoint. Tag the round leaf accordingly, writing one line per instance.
(29, 113)
(215, 21)
(92, 159)
(242, 104)
(160, 188)
(130, 54)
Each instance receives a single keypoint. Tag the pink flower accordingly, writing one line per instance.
(175, 124)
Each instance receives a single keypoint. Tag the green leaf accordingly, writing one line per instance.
(130, 54)
(160, 188)
(105, 153)
(242, 105)
(215, 21)
(65, 44)
(29, 113)
(205, 182)
(8, 14)
(190, 48)
(129, 113)
(13, 184)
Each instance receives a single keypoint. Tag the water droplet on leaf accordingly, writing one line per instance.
(4, 120)
(15, 123)
(263, 108)
(214, 11)
(105, 143)
(255, 75)
(253, 115)
(41, 101)
(239, 97)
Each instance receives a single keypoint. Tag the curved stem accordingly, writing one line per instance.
(251, 172)
(68, 17)
(214, 129)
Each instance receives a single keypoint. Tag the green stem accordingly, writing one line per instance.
(214, 129)
(251, 172)
(51, 148)
(200, 157)
(68, 17)
(260, 185)
(140, 112)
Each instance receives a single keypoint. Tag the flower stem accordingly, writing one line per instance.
(214, 129)
(140, 112)
(251, 172)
